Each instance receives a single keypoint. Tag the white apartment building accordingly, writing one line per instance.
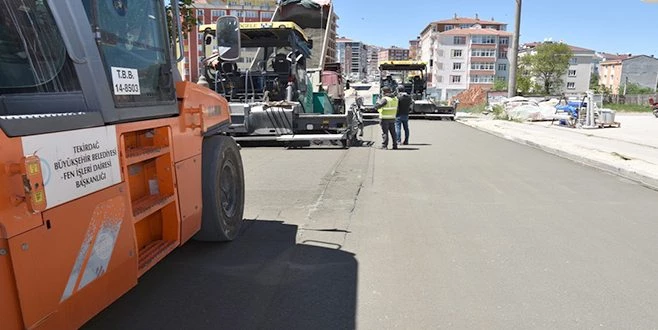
(353, 57)
(464, 52)
(373, 62)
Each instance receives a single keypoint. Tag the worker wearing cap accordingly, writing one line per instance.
(402, 116)
(390, 82)
(388, 108)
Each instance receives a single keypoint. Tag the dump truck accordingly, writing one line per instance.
(413, 76)
(108, 161)
(282, 96)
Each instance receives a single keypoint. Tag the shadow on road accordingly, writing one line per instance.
(263, 280)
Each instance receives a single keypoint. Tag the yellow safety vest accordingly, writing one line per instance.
(390, 109)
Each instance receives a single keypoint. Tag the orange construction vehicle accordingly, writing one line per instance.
(108, 161)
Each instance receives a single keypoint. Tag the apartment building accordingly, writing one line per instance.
(640, 69)
(577, 78)
(601, 57)
(414, 54)
(207, 12)
(373, 61)
(353, 57)
(393, 54)
(464, 52)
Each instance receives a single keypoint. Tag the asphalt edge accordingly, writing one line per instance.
(643, 180)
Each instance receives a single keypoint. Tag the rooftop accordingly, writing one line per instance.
(462, 20)
(573, 48)
(622, 58)
(468, 20)
(476, 31)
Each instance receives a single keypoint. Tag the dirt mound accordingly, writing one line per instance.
(472, 97)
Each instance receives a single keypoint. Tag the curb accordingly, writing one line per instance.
(646, 181)
(598, 136)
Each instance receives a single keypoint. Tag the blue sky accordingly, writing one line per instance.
(615, 26)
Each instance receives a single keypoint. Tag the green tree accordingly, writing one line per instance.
(549, 64)
(500, 85)
(594, 81)
(523, 83)
(634, 89)
(188, 18)
(523, 78)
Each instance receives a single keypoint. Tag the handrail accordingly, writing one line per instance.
(246, 86)
(179, 30)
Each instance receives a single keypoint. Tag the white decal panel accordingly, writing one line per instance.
(76, 163)
(125, 81)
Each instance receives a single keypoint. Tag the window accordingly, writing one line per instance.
(456, 66)
(483, 53)
(455, 79)
(266, 15)
(32, 56)
(456, 53)
(572, 73)
(251, 14)
(489, 40)
(464, 26)
(135, 40)
(573, 60)
(459, 40)
(448, 27)
(482, 79)
(199, 12)
(504, 40)
(482, 66)
(502, 54)
(237, 13)
(571, 85)
(217, 13)
(502, 67)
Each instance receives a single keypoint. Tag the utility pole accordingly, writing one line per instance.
(511, 85)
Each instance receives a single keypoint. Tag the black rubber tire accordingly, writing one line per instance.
(222, 190)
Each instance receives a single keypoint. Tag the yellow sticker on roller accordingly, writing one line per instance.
(33, 169)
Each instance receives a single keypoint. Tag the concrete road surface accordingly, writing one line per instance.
(459, 230)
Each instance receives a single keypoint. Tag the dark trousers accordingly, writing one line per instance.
(388, 127)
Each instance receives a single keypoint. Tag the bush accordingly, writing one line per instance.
(499, 112)
(480, 108)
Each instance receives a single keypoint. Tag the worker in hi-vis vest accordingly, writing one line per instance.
(388, 108)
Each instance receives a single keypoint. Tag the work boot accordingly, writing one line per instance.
(395, 147)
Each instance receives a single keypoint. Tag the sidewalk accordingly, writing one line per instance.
(630, 151)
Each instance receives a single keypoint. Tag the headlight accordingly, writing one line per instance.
(309, 127)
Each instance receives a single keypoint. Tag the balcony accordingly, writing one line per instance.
(483, 46)
(483, 59)
(482, 72)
